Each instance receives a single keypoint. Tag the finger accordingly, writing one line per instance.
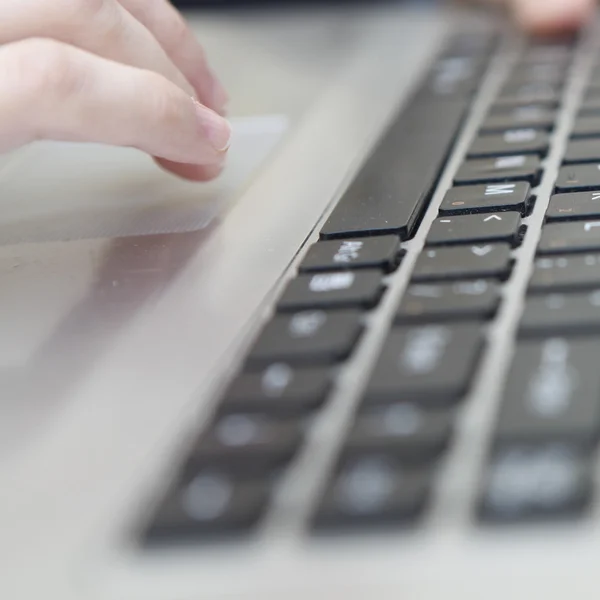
(193, 172)
(551, 16)
(175, 36)
(102, 27)
(54, 91)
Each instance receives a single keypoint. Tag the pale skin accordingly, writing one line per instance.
(131, 73)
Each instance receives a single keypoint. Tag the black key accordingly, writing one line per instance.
(578, 236)
(373, 489)
(506, 108)
(405, 431)
(538, 59)
(577, 178)
(558, 313)
(514, 94)
(552, 72)
(504, 168)
(532, 116)
(457, 301)
(471, 44)
(513, 141)
(586, 127)
(533, 482)
(393, 188)
(467, 229)
(570, 207)
(552, 393)
(307, 337)
(565, 273)
(380, 252)
(583, 151)
(247, 444)
(455, 75)
(431, 364)
(558, 51)
(338, 289)
(278, 389)
(493, 197)
(207, 504)
(463, 262)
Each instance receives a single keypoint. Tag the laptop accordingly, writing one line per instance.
(363, 363)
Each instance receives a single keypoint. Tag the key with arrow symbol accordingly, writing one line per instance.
(470, 229)
(463, 262)
(481, 250)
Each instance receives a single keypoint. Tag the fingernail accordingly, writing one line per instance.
(220, 97)
(216, 129)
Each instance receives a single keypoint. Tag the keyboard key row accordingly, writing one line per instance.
(419, 376)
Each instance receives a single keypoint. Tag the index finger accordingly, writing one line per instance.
(179, 42)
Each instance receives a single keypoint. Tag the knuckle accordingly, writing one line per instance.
(40, 68)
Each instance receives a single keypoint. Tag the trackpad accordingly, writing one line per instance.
(63, 191)
(86, 244)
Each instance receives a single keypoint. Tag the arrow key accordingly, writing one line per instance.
(468, 229)
(463, 262)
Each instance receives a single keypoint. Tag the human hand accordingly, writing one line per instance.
(121, 72)
(549, 16)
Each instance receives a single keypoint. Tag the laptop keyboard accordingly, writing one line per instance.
(539, 459)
